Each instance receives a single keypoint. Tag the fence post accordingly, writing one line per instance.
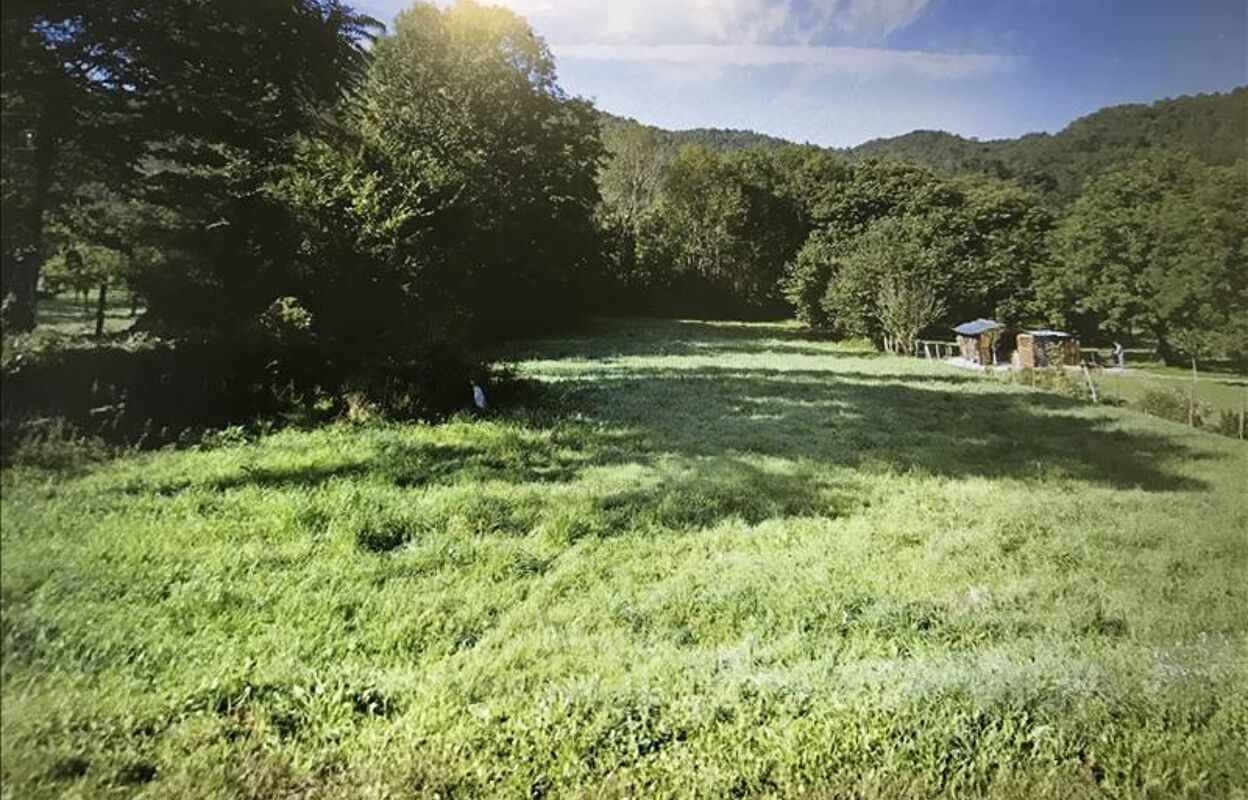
(1087, 374)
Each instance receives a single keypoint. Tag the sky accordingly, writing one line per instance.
(841, 72)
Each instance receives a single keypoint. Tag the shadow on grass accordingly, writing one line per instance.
(945, 424)
(517, 453)
(624, 338)
(886, 422)
(889, 424)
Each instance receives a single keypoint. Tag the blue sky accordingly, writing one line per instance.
(840, 72)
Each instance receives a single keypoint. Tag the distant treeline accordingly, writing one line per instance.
(1211, 127)
(1152, 245)
(284, 169)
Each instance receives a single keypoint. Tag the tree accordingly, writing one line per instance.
(974, 242)
(880, 282)
(108, 242)
(723, 228)
(632, 174)
(457, 194)
(629, 182)
(1155, 246)
(182, 102)
(905, 306)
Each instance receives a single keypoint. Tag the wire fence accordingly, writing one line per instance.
(935, 349)
(1216, 402)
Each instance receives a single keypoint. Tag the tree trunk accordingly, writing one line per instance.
(100, 304)
(22, 261)
(17, 308)
(1166, 351)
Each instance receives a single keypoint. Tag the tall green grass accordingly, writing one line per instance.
(722, 560)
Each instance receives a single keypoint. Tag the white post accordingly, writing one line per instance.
(1087, 374)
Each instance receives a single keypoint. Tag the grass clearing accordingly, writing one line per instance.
(739, 563)
(68, 315)
(1219, 392)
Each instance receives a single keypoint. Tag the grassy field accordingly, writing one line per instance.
(1217, 385)
(725, 561)
(66, 314)
(1219, 392)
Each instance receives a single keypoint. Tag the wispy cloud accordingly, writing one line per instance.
(861, 62)
(841, 37)
(842, 22)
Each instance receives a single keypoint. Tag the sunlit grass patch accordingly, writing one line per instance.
(732, 561)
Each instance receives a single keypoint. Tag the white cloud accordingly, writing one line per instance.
(843, 22)
(862, 62)
(873, 19)
(843, 37)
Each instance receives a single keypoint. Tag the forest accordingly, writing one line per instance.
(392, 190)
(288, 183)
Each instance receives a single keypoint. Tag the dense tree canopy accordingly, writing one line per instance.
(1157, 246)
(459, 193)
(185, 103)
(225, 159)
(972, 242)
(696, 231)
(1212, 128)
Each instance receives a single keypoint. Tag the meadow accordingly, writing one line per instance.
(67, 315)
(708, 560)
(1217, 392)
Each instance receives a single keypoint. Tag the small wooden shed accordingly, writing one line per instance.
(978, 340)
(1047, 349)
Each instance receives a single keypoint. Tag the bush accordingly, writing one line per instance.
(1230, 423)
(1054, 380)
(286, 319)
(415, 385)
(151, 392)
(1174, 406)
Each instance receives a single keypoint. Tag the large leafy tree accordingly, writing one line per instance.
(102, 241)
(970, 245)
(188, 103)
(1157, 247)
(630, 181)
(874, 275)
(467, 178)
(721, 230)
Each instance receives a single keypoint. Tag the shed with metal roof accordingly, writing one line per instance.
(1046, 348)
(977, 340)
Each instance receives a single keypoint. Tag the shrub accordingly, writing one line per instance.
(1174, 406)
(1230, 423)
(286, 319)
(1054, 380)
(418, 384)
(150, 391)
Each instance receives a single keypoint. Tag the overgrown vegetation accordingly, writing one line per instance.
(440, 185)
(820, 571)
